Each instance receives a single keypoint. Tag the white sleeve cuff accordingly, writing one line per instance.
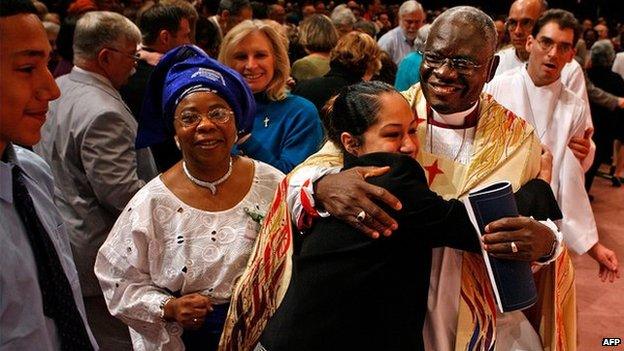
(558, 245)
(301, 184)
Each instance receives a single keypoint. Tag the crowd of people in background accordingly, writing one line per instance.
(172, 169)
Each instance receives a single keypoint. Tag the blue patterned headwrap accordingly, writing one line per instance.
(184, 70)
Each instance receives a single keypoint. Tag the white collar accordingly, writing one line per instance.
(453, 119)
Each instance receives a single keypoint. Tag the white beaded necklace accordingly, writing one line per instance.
(212, 186)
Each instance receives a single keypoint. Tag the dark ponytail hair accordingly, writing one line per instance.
(354, 110)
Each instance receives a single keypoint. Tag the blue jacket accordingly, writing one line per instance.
(284, 133)
(408, 73)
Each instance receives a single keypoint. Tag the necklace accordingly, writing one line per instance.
(204, 184)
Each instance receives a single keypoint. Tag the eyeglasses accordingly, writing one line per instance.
(192, 119)
(524, 23)
(136, 56)
(547, 44)
(462, 66)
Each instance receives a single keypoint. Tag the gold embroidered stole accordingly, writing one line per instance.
(265, 280)
(554, 314)
(504, 148)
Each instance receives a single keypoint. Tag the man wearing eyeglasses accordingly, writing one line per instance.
(522, 17)
(88, 141)
(467, 140)
(537, 93)
(399, 41)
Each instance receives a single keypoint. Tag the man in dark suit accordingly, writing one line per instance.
(163, 27)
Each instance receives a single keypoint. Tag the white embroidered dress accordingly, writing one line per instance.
(160, 245)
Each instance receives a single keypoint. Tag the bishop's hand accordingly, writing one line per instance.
(518, 238)
(348, 197)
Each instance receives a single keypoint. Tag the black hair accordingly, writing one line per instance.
(590, 41)
(157, 18)
(259, 9)
(65, 39)
(563, 18)
(354, 110)
(16, 7)
(234, 7)
(207, 36)
(387, 72)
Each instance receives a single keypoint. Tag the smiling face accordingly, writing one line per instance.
(445, 89)
(208, 142)
(545, 64)
(253, 58)
(394, 131)
(26, 84)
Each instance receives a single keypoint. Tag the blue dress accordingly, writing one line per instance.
(284, 132)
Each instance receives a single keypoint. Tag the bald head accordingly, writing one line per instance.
(472, 20)
(535, 5)
(458, 59)
(522, 17)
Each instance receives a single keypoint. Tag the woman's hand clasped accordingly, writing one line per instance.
(188, 310)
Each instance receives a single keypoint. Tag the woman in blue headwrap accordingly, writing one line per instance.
(170, 262)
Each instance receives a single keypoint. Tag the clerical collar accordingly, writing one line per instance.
(458, 120)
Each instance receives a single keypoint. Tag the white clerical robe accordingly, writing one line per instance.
(572, 77)
(557, 114)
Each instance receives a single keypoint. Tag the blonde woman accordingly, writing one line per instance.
(286, 128)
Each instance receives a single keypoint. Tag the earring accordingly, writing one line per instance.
(177, 142)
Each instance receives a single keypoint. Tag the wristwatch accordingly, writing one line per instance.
(556, 244)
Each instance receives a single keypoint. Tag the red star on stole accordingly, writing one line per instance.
(433, 170)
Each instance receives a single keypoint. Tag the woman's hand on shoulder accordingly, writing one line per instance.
(188, 310)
